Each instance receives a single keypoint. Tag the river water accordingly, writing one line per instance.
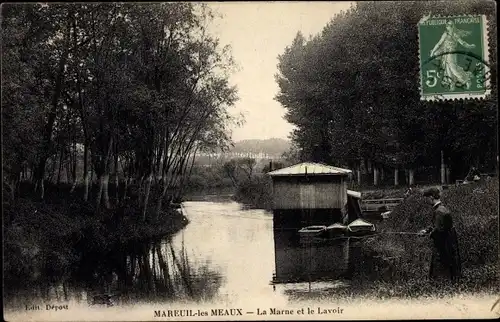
(226, 257)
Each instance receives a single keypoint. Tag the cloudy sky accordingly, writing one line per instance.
(258, 32)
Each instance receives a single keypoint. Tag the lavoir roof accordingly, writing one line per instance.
(310, 169)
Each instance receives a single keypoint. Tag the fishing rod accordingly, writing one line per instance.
(397, 233)
(366, 236)
(385, 233)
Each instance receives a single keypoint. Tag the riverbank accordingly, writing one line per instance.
(397, 265)
(46, 238)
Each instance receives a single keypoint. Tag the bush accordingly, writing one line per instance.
(256, 192)
(47, 237)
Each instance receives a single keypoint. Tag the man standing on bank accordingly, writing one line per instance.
(445, 261)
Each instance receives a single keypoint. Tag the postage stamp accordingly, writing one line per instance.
(454, 57)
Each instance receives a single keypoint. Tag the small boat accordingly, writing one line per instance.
(312, 231)
(336, 229)
(360, 227)
(385, 215)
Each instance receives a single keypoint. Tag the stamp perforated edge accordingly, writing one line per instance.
(486, 57)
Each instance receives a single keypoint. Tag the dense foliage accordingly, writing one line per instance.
(131, 91)
(352, 93)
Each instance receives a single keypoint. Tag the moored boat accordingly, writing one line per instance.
(360, 227)
(312, 231)
(336, 229)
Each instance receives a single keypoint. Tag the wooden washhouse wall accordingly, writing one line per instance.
(309, 192)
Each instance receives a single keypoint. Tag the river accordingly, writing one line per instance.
(226, 257)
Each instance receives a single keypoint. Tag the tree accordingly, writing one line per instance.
(247, 165)
(352, 92)
(139, 88)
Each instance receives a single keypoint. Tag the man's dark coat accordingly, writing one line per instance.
(445, 261)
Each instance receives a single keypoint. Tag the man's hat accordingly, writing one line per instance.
(432, 192)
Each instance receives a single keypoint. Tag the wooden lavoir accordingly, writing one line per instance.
(312, 194)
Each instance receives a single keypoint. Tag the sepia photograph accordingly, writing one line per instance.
(253, 160)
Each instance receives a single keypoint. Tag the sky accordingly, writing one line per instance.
(258, 32)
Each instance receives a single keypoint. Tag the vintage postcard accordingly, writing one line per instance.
(191, 161)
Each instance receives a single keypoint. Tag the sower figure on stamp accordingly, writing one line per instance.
(445, 260)
(453, 73)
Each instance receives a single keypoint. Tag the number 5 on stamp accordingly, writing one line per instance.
(453, 57)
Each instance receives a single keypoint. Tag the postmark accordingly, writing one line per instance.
(454, 62)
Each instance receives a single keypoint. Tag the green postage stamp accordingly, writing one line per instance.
(453, 57)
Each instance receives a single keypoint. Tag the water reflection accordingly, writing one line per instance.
(225, 255)
(297, 261)
(151, 272)
(140, 272)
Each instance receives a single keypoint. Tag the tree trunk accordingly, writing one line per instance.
(375, 176)
(73, 170)
(42, 189)
(47, 135)
(105, 192)
(358, 174)
(68, 171)
(140, 189)
(86, 172)
(186, 174)
(103, 175)
(52, 172)
(146, 196)
(396, 177)
(443, 169)
(411, 180)
(125, 189)
(60, 167)
(107, 163)
(117, 182)
(160, 199)
(73, 186)
(31, 175)
(99, 191)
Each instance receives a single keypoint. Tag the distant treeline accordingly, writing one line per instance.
(352, 94)
(273, 146)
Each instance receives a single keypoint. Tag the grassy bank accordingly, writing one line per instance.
(399, 264)
(45, 238)
(388, 192)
